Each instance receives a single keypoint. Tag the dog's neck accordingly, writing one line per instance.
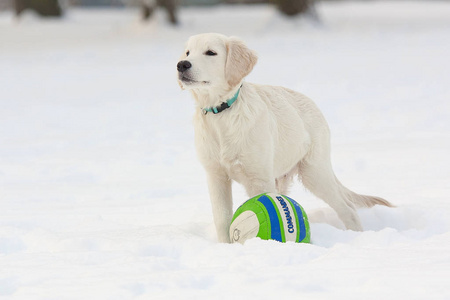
(211, 98)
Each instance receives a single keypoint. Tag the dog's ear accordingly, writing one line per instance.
(240, 61)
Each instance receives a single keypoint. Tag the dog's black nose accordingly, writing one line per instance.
(183, 66)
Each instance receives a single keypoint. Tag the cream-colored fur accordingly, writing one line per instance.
(269, 135)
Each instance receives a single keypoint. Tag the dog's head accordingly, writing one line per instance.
(213, 60)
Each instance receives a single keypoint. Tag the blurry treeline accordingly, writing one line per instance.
(55, 8)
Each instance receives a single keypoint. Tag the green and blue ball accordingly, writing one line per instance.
(270, 217)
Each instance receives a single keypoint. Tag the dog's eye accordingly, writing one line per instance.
(210, 53)
(187, 53)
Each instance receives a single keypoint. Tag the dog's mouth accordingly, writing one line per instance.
(187, 80)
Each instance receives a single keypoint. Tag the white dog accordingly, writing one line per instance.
(258, 135)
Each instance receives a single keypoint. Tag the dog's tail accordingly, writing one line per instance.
(362, 200)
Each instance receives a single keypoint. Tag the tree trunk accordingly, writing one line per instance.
(46, 8)
(170, 6)
(294, 7)
(147, 11)
(149, 6)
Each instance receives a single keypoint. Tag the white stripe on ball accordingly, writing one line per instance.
(244, 227)
(287, 216)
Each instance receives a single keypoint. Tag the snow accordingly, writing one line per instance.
(102, 196)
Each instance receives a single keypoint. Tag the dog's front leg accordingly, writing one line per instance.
(219, 185)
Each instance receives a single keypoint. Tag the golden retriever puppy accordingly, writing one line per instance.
(258, 135)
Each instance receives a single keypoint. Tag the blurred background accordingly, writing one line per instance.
(56, 8)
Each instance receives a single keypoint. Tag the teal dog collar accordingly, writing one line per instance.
(223, 106)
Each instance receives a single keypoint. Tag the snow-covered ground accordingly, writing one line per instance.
(101, 194)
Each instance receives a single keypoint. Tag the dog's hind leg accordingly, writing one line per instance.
(256, 186)
(284, 183)
(318, 177)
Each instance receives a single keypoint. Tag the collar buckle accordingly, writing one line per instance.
(224, 105)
